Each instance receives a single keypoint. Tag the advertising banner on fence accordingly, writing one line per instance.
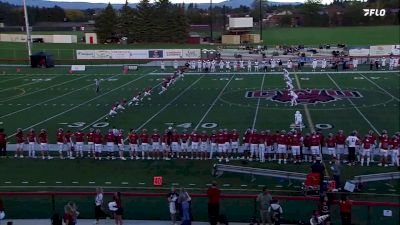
(120, 54)
(103, 54)
(361, 51)
(376, 50)
(191, 53)
(172, 53)
(155, 54)
(139, 54)
(85, 54)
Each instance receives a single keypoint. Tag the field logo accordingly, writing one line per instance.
(374, 12)
(305, 96)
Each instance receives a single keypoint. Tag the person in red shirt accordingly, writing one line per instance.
(373, 138)
(227, 147)
(254, 141)
(296, 140)
(43, 139)
(98, 144)
(246, 142)
(204, 139)
(213, 143)
(262, 139)
(166, 144)
(90, 141)
(184, 139)
(282, 140)
(345, 210)
(214, 196)
(330, 144)
(133, 139)
(120, 143)
(384, 148)
(70, 145)
(144, 144)
(315, 145)
(366, 150)
(269, 146)
(221, 146)
(3, 143)
(394, 148)
(175, 143)
(31, 137)
(235, 140)
(340, 144)
(60, 137)
(20, 140)
(306, 148)
(79, 137)
(155, 143)
(110, 139)
(194, 139)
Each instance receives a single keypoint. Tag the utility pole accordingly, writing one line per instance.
(211, 22)
(28, 32)
(260, 21)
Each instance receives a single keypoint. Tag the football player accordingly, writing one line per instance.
(246, 140)
(330, 143)
(227, 146)
(144, 144)
(162, 65)
(90, 139)
(213, 143)
(98, 144)
(273, 64)
(221, 146)
(295, 143)
(366, 150)
(175, 65)
(262, 137)
(60, 136)
(194, 140)
(394, 146)
(175, 144)
(70, 144)
(235, 140)
(203, 145)
(269, 146)
(383, 63)
(323, 65)
(249, 66)
(166, 143)
(184, 139)
(121, 144)
(281, 140)
(340, 145)
(256, 66)
(254, 141)
(155, 144)
(314, 65)
(384, 148)
(43, 139)
(133, 139)
(315, 146)
(289, 64)
(113, 110)
(294, 97)
(79, 137)
(110, 139)
(20, 140)
(355, 63)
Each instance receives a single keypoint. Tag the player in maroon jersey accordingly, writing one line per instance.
(227, 147)
(235, 141)
(110, 139)
(20, 140)
(31, 137)
(70, 145)
(246, 142)
(60, 136)
(282, 146)
(340, 145)
(213, 143)
(43, 139)
(166, 144)
(194, 140)
(289, 154)
(133, 139)
(384, 148)
(366, 150)
(254, 141)
(394, 148)
(98, 144)
(221, 146)
(315, 146)
(307, 148)
(372, 137)
(155, 144)
(204, 140)
(79, 138)
(330, 143)
(121, 144)
(3, 143)
(184, 139)
(296, 143)
(269, 146)
(144, 144)
(175, 144)
(262, 138)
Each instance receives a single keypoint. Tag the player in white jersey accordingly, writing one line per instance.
(113, 111)
(256, 66)
(263, 65)
(383, 63)
(286, 74)
(199, 65)
(323, 65)
(241, 64)
(221, 65)
(289, 85)
(273, 64)
(227, 66)
(162, 65)
(121, 105)
(294, 98)
(298, 119)
(213, 66)
(175, 64)
(314, 65)
(249, 66)
(289, 64)
(355, 64)
(234, 65)
(391, 63)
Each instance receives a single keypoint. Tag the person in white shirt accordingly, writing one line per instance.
(290, 64)
(256, 66)
(294, 98)
(351, 142)
(249, 66)
(175, 64)
(162, 64)
(98, 202)
(391, 63)
(323, 65)
(241, 64)
(289, 85)
(273, 64)
(213, 66)
(355, 64)
(314, 65)
(199, 66)
(383, 63)
(298, 119)
(227, 66)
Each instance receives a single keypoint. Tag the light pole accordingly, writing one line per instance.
(28, 32)
(260, 21)
(211, 22)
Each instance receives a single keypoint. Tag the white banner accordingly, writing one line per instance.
(191, 53)
(78, 67)
(396, 49)
(120, 54)
(138, 54)
(359, 52)
(85, 54)
(173, 53)
(380, 50)
(102, 54)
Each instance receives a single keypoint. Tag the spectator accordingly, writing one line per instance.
(213, 194)
(2, 213)
(275, 210)
(172, 202)
(98, 202)
(55, 219)
(263, 201)
(74, 211)
(318, 167)
(352, 141)
(336, 171)
(3, 143)
(325, 208)
(317, 219)
(120, 211)
(184, 200)
(68, 215)
(345, 210)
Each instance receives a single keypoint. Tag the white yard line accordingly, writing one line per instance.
(15, 78)
(306, 110)
(18, 86)
(84, 103)
(215, 101)
(169, 103)
(378, 86)
(38, 104)
(258, 104)
(31, 93)
(354, 106)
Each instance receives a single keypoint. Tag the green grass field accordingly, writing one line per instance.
(52, 98)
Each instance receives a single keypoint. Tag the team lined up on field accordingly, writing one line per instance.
(274, 64)
(262, 146)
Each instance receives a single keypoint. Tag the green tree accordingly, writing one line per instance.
(144, 20)
(105, 23)
(255, 9)
(125, 25)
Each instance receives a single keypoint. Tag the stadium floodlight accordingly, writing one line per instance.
(28, 32)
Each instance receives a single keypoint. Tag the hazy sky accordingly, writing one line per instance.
(175, 1)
